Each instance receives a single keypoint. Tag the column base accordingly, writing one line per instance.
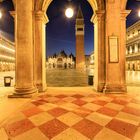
(115, 89)
(23, 92)
(99, 87)
(41, 87)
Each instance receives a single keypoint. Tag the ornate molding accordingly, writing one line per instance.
(97, 16)
(41, 15)
(124, 14)
(13, 14)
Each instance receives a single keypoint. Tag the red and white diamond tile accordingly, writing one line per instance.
(76, 117)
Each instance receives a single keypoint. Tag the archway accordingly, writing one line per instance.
(109, 64)
(61, 35)
(98, 8)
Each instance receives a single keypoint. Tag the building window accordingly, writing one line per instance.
(60, 60)
(80, 29)
(133, 49)
(128, 66)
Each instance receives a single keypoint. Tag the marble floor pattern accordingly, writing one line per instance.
(76, 116)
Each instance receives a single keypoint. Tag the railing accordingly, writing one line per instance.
(133, 54)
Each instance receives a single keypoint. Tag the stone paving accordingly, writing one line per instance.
(8, 106)
(66, 78)
(72, 78)
(76, 114)
(69, 78)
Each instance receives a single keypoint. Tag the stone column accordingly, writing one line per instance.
(99, 50)
(40, 50)
(136, 48)
(24, 83)
(130, 50)
(115, 48)
(126, 50)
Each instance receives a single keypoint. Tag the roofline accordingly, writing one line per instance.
(7, 40)
(133, 26)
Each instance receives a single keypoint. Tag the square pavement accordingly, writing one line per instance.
(76, 117)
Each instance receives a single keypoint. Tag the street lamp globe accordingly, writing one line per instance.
(69, 12)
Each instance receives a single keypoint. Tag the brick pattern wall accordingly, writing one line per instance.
(80, 53)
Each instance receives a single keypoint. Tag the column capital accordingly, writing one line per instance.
(41, 15)
(97, 16)
(124, 14)
(13, 14)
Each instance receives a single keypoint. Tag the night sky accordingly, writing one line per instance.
(60, 33)
(61, 30)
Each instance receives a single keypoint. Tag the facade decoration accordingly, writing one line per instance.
(133, 47)
(7, 54)
(31, 40)
(61, 61)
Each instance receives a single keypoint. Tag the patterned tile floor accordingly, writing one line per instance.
(76, 117)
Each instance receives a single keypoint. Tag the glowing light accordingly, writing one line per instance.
(139, 13)
(0, 14)
(6, 48)
(69, 12)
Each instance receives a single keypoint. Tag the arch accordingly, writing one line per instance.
(44, 4)
(123, 4)
(14, 3)
(104, 80)
(98, 18)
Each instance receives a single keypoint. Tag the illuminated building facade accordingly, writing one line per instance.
(109, 76)
(87, 61)
(91, 64)
(64, 61)
(133, 47)
(7, 54)
(61, 61)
